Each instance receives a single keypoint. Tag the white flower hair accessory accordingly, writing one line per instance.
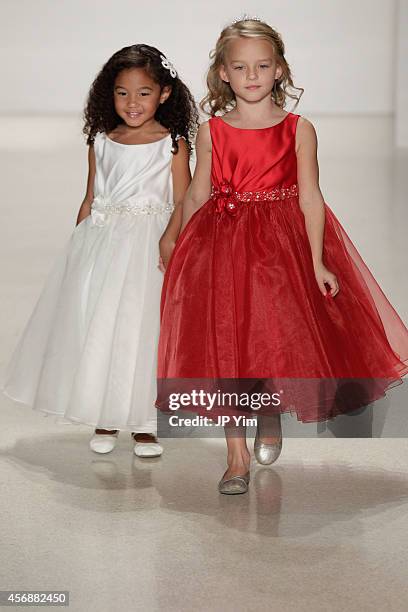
(246, 17)
(166, 63)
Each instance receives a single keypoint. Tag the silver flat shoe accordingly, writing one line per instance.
(266, 454)
(235, 485)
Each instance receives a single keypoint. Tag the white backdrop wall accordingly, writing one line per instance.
(341, 51)
(401, 76)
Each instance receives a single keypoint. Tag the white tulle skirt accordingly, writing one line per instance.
(88, 353)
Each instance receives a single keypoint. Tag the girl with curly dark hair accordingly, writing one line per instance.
(88, 353)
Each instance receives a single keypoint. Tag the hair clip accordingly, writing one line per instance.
(166, 63)
(246, 17)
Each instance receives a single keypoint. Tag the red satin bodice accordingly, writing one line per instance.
(267, 160)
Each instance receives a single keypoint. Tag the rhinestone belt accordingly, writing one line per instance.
(227, 199)
(102, 207)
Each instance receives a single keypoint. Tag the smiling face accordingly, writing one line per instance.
(250, 68)
(137, 96)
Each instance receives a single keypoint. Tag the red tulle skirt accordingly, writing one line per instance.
(241, 311)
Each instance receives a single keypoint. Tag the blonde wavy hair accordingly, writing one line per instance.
(220, 96)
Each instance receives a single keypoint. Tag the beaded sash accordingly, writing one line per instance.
(102, 207)
(227, 199)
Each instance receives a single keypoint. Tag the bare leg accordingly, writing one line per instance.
(269, 428)
(144, 437)
(238, 457)
(106, 431)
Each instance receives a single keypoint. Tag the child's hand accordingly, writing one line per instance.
(323, 275)
(166, 247)
(161, 265)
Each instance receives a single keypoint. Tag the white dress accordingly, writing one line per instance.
(89, 350)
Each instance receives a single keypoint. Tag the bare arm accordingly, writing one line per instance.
(311, 201)
(181, 176)
(200, 187)
(310, 198)
(85, 208)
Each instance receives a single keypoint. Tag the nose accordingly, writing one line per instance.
(133, 104)
(132, 101)
(252, 74)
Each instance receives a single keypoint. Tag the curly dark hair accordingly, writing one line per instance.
(178, 113)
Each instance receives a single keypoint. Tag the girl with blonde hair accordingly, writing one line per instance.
(264, 290)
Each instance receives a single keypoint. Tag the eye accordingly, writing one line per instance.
(238, 67)
(121, 93)
(264, 65)
(145, 93)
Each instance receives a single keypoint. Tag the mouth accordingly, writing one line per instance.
(252, 87)
(133, 115)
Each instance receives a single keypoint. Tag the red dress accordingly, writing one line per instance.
(240, 302)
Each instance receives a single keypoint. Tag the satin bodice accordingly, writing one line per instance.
(254, 159)
(138, 174)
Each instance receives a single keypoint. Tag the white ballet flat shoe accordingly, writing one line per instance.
(103, 443)
(148, 449)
